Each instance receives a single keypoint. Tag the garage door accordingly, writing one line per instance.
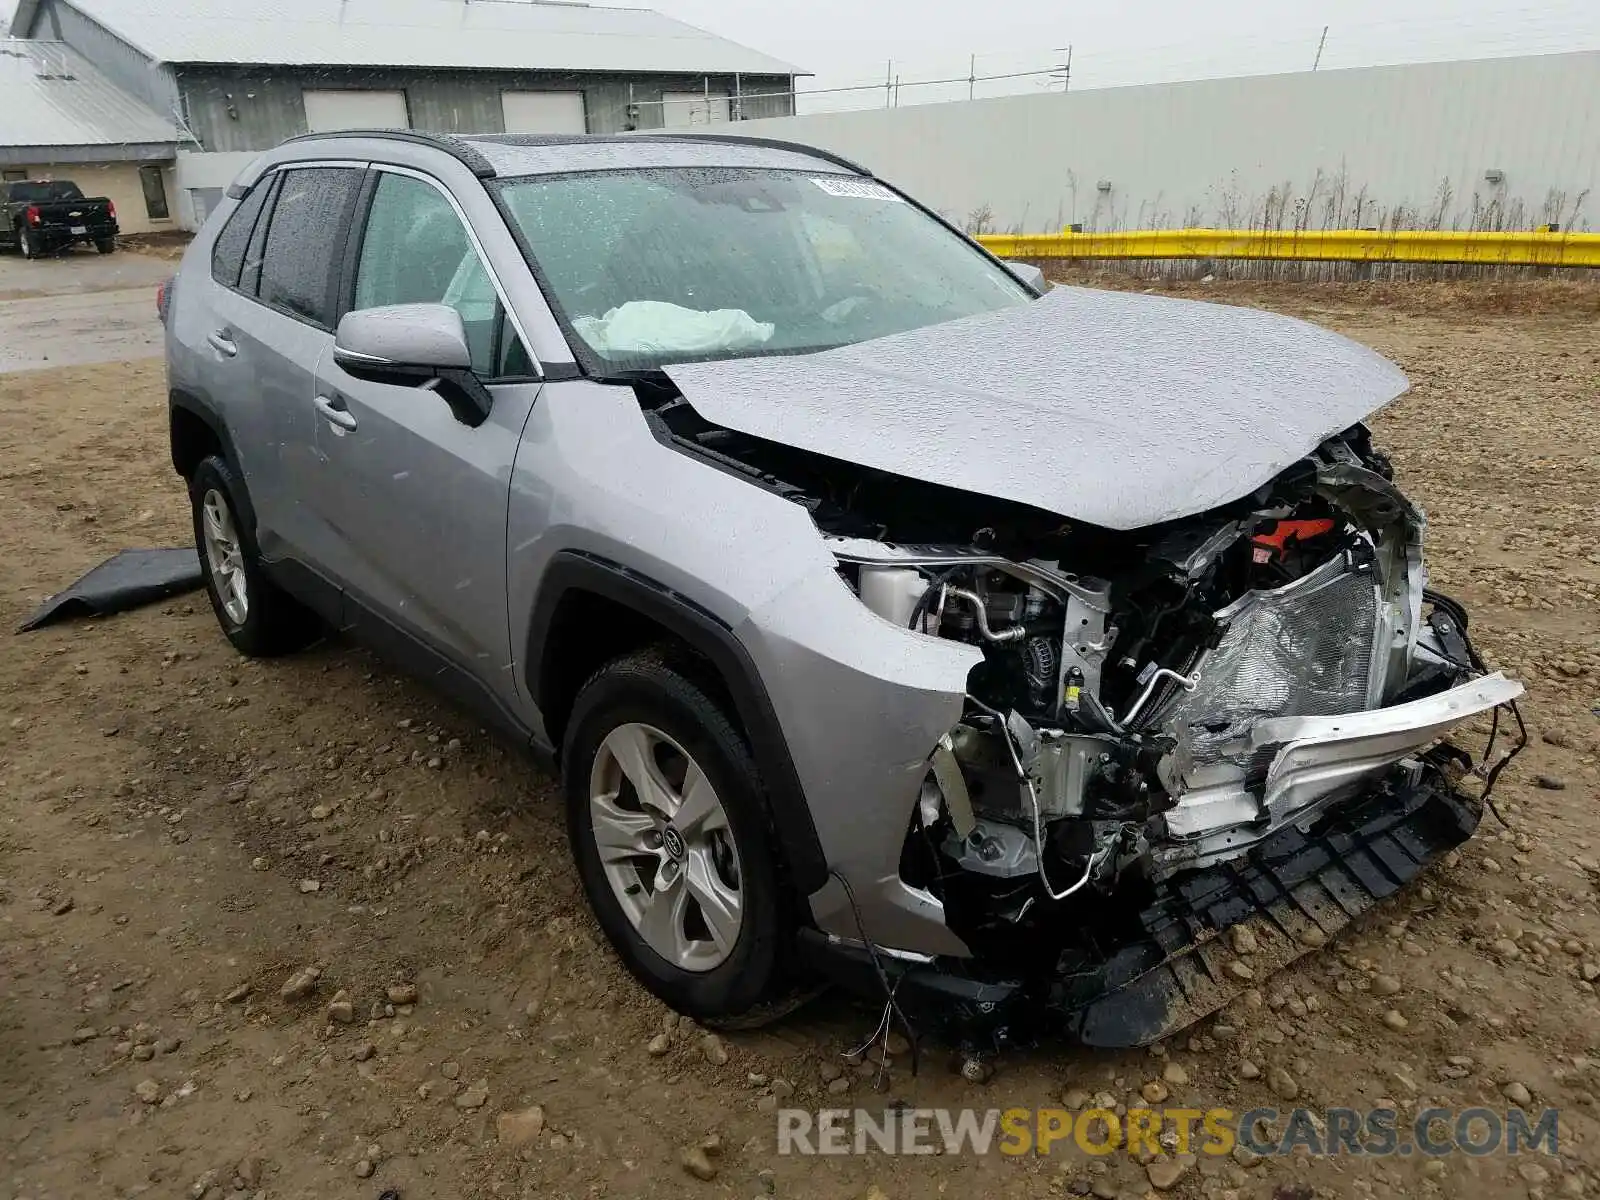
(683, 110)
(355, 109)
(544, 112)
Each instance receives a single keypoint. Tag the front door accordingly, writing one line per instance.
(418, 498)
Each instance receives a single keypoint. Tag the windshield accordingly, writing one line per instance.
(651, 267)
(35, 192)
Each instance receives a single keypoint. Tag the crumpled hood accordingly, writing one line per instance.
(1112, 408)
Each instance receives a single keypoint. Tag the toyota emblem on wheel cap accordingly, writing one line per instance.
(673, 841)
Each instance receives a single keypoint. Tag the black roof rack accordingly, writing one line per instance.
(544, 139)
(472, 159)
(463, 150)
(571, 139)
(770, 144)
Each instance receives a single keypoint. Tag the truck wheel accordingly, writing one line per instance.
(28, 244)
(668, 824)
(257, 616)
(106, 245)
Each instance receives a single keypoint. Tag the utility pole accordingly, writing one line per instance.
(972, 77)
(1066, 69)
(1320, 44)
(888, 85)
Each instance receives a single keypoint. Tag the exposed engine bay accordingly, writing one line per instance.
(1149, 704)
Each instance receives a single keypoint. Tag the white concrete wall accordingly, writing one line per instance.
(210, 173)
(120, 182)
(1405, 144)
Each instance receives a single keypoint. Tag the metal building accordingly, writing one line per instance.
(1488, 144)
(239, 76)
(62, 119)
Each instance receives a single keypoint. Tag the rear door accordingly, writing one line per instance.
(282, 322)
(209, 359)
(417, 498)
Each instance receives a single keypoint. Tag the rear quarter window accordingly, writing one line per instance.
(227, 256)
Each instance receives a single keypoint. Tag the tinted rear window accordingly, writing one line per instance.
(305, 241)
(228, 255)
(35, 192)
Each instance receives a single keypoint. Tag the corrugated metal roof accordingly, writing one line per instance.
(51, 96)
(488, 34)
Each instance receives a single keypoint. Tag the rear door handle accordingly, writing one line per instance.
(222, 342)
(335, 413)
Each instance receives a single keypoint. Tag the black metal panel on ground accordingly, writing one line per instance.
(124, 581)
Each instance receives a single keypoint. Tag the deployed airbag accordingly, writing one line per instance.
(656, 327)
(124, 581)
(1117, 409)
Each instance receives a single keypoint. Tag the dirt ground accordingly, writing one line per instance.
(181, 831)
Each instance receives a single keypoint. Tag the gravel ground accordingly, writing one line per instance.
(78, 307)
(295, 929)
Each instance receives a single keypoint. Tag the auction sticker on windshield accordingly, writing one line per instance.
(856, 189)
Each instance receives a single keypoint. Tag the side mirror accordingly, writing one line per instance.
(414, 345)
(1030, 275)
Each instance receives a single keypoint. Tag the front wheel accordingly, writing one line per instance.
(668, 824)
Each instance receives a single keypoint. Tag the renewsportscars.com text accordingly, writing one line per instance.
(1268, 1132)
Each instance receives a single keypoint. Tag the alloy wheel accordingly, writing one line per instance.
(666, 847)
(224, 556)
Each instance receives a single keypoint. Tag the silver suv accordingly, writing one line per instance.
(891, 618)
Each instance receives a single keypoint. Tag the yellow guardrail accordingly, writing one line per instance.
(1541, 249)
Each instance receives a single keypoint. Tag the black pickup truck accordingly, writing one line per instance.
(44, 216)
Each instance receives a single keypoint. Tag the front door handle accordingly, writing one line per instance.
(222, 342)
(335, 413)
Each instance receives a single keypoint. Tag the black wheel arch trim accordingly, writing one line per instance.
(206, 413)
(711, 637)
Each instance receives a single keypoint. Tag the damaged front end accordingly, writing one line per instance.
(1235, 717)
(1232, 718)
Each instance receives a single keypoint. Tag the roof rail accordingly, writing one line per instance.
(472, 159)
(546, 139)
(769, 144)
(484, 169)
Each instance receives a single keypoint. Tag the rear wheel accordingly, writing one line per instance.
(258, 617)
(106, 245)
(668, 824)
(28, 243)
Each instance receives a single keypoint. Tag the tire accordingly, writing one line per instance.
(266, 621)
(723, 981)
(106, 245)
(28, 244)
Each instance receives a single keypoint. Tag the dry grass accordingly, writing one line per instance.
(1569, 297)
